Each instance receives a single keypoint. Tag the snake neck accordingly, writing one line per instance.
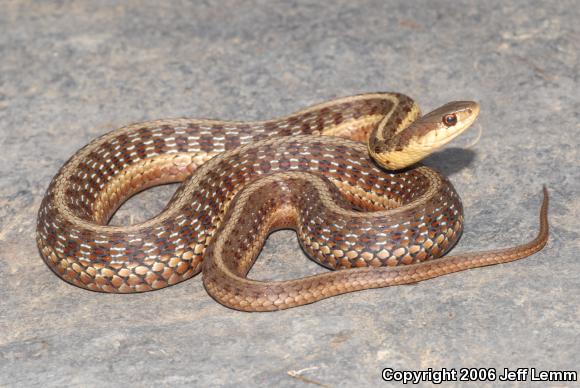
(388, 141)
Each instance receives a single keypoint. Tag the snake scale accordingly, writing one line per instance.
(342, 174)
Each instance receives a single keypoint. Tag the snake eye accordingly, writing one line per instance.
(450, 119)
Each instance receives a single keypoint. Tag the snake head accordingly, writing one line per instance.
(425, 135)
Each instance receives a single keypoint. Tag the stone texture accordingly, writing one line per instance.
(70, 71)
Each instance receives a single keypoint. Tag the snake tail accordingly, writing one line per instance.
(225, 272)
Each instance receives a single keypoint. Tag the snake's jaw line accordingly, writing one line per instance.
(425, 136)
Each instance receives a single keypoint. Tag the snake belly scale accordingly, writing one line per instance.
(343, 174)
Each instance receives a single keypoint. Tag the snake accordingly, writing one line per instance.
(344, 174)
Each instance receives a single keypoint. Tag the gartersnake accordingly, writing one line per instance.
(242, 180)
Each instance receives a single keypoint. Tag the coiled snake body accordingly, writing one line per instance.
(357, 208)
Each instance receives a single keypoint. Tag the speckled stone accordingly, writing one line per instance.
(70, 71)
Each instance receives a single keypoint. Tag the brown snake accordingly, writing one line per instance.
(243, 180)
